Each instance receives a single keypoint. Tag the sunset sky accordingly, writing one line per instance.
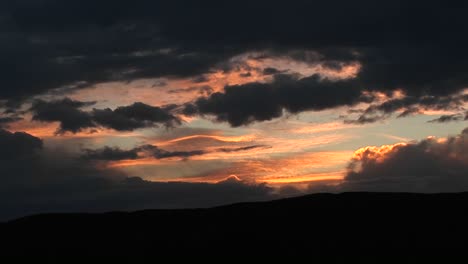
(167, 104)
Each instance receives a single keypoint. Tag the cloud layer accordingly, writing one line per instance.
(244, 104)
(37, 180)
(125, 118)
(398, 45)
(145, 151)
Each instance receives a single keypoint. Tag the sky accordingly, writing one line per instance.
(133, 105)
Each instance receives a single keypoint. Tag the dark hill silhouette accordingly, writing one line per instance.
(313, 225)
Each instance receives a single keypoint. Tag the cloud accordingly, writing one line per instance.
(431, 165)
(115, 154)
(408, 105)
(35, 179)
(110, 154)
(162, 154)
(17, 145)
(364, 120)
(65, 111)
(228, 150)
(414, 52)
(135, 116)
(201, 90)
(244, 104)
(124, 118)
(4, 121)
(271, 71)
(145, 151)
(200, 79)
(447, 118)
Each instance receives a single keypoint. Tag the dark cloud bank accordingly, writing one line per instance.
(125, 118)
(38, 180)
(400, 45)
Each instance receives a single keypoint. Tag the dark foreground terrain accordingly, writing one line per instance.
(317, 225)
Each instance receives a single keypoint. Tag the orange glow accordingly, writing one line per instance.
(219, 79)
(220, 138)
(319, 166)
(376, 153)
(398, 94)
(438, 112)
(40, 130)
(137, 162)
(379, 96)
(231, 177)
(332, 176)
(49, 129)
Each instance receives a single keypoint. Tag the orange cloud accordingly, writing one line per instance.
(137, 162)
(375, 153)
(243, 138)
(37, 129)
(307, 178)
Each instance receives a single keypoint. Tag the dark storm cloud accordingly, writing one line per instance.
(34, 66)
(125, 118)
(431, 69)
(244, 104)
(65, 111)
(400, 44)
(37, 180)
(138, 115)
(39, 53)
(17, 145)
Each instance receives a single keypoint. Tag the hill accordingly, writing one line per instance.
(316, 225)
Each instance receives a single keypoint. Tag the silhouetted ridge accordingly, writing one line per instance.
(316, 225)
